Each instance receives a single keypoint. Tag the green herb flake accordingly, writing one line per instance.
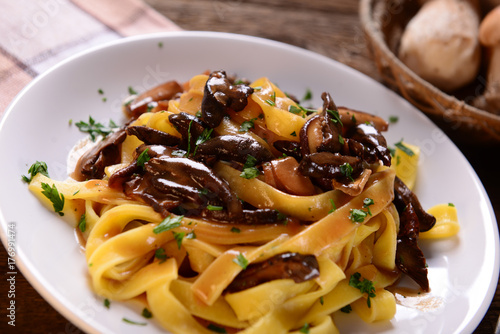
(346, 309)
(294, 110)
(168, 224)
(143, 158)
(215, 207)
(235, 230)
(131, 91)
(37, 167)
(346, 170)
(205, 135)
(216, 329)
(247, 125)
(134, 322)
(294, 134)
(104, 99)
(336, 116)
(321, 300)
(353, 119)
(70, 122)
(161, 255)
(334, 207)
(250, 162)
(53, 195)
(100, 91)
(178, 236)
(404, 148)
(365, 286)
(451, 204)
(308, 95)
(160, 44)
(241, 261)
(393, 119)
(358, 216)
(82, 224)
(107, 303)
(191, 235)
(147, 313)
(94, 129)
(270, 102)
(341, 139)
(250, 173)
(304, 329)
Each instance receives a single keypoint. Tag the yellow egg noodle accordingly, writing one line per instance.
(135, 249)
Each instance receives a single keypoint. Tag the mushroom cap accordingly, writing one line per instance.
(489, 30)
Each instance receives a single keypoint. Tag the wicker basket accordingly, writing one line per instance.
(383, 22)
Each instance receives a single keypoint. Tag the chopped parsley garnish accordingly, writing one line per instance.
(358, 216)
(53, 195)
(131, 91)
(161, 255)
(82, 224)
(305, 329)
(160, 44)
(366, 204)
(270, 102)
(346, 309)
(191, 235)
(353, 119)
(250, 162)
(216, 329)
(143, 158)
(365, 286)
(94, 129)
(346, 170)
(241, 261)
(178, 236)
(37, 167)
(205, 135)
(393, 119)
(321, 300)
(235, 230)
(341, 139)
(189, 138)
(147, 313)
(214, 207)
(247, 125)
(404, 148)
(294, 110)
(451, 204)
(250, 173)
(334, 207)
(107, 303)
(293, 134)
(336, 116)
(308, 95)
(100, 91)
(168, 224)
(133, 322)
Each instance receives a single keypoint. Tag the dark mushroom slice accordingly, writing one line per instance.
(219, 94)
(289, 148)
(190, 127)
(409, 257)
(331, 165)
(294, 266)
(403, 197)
(323, 132)
(152, 136)
(233, 148)
(366, 142)
(351, 117)
(91, 165)
(164, 92)
(194, 174)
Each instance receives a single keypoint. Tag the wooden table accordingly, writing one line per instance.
(327, 27)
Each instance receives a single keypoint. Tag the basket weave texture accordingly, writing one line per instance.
(383, 22)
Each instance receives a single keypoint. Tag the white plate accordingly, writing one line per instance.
(463, 271)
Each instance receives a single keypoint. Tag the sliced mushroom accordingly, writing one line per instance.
(220, 94)
(190, 127)
(249, 217)
(152, 136)
(139, 105)
(367, 143)
(233, 148)
(351, 117)
(288, 178)
(91, 165)
(289, 148)
(329, 165)
(294, 266)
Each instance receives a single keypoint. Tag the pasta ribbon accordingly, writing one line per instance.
(446, 222)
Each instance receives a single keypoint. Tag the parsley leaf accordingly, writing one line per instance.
(358, 216)
(178, 236)
(143, 158)
(346, 170)
(216, 329)
(131, 91)
(346, 309)
(107, 303)
(250, 173)
(404, 148)
(161, 255)
(241, 261)
(82, 224)
(133, 322)
(365, 286)
(94, 129)
(393, 119)
(336, 116)
(334, 207)
(308, 95)
(168, 224)
(235, 230)
(53, 195)
(214, 207)
(205, 135)
(37, 167)
(304, 329)
(247, 125)
(147, 313)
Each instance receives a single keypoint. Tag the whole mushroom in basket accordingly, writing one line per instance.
(489, 35)
(440, 43)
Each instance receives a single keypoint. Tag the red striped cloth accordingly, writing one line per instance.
(36, 34)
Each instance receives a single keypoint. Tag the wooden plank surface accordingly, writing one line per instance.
(330, 28)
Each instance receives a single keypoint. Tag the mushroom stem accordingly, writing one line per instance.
(492, 93)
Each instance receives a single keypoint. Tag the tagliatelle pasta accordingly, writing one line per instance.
(230, 208)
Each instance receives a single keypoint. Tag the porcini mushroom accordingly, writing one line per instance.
(489, 35)
(440, 43)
